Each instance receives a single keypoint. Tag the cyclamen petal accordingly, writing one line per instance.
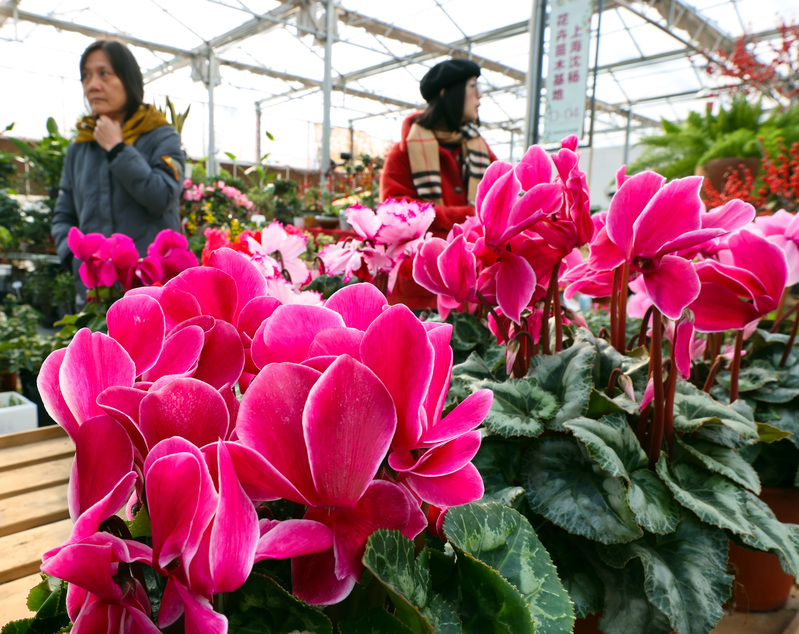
(673, 286)
(516, 283)
(461, 487)
(348, 423)
(50, 391)
(292, 538)
(137, 322)
(288, 333)
(92, 362)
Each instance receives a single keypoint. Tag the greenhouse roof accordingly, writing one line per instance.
(270, 54)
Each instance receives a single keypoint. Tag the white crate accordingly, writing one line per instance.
(20, 417)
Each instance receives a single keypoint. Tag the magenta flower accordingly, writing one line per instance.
(734, 295)
(321, 437)
(635, 233)
(171, 250)
(102, 596)
(782, 228)
(104, 260)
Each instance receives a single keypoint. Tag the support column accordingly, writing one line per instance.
(327, 85)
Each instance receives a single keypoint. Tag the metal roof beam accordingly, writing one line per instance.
(9, 10)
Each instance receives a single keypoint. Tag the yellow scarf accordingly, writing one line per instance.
(145, 119)
(426, 169)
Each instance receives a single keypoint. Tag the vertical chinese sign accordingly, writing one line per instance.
(570, 34)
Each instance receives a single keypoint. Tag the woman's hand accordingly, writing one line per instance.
(107, 132)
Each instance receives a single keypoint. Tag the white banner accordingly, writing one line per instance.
(569, 39)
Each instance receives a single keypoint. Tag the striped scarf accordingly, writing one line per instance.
(425, 166)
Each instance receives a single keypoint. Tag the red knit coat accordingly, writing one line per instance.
(396, 182)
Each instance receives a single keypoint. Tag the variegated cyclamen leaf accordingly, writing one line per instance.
(520, 406)
(685, 574)
(567, 375)
(635, 364)
(468, 376)
(564, 485)
(489, 603)
(722, 460)
(715, 499)
(601, 405)
(693, 408)
(652, 502)
(389, 556)
(611, 442)
(772, 535)
(503, 538)
(626, 607)
(750, 378)
(773, 393)
(263, 605)
(374, 620)
(499, 462)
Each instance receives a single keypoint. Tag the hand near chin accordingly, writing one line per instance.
(107, 132)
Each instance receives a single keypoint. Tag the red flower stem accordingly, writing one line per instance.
(491, 310)
(671, 388)
(781, 306)
(784, 316)
(614, 308)
(621, 323)
(656, 371)
(644, 324)
(558, 321)
(789, 345)
(553, 287)
(736, 365)
(711, 376)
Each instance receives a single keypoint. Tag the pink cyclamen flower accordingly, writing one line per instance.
(636, 232)
(734, 295)
(320, 443)
(782, 228)
(171, 249)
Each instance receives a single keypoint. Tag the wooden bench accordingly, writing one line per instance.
(34, 472)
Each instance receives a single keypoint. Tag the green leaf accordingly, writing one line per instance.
(611, 442)
(567, 375)
(600, 404)
(140, 526)
(694, 408)
(499, 462)
(519, 407)
(652, 502)
(769, 433)
(772, 535)
(722, 460)
(685, 574)
(626, 606)
(635, 365)
(49, 600)
(375, 621)
(503, 538)
(788, 421)
(389, 556)
(715, 499)
(488, 602)
(263, 605)
(752, 377)
(467, 378)
(569, 489)
(773, 393)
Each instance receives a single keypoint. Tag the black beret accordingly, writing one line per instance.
(446, 74)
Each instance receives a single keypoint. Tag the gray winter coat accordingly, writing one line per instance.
(136, 194)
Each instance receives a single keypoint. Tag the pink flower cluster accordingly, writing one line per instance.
(525, 225)
(389, 236)
(106, 261)
(342, 413)
(199, 191)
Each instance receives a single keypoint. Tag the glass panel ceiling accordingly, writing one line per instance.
(650, 63)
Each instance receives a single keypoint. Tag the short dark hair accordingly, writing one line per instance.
(445, 109)
(126, 68)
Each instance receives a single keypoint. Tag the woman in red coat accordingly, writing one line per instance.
(440, 159)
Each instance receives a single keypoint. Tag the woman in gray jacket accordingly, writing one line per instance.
(123, 172)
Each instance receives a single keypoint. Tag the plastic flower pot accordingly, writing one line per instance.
(761, 585)
(17, 413)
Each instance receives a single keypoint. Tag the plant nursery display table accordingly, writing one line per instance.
(34, 471)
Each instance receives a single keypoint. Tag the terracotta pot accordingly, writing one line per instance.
(761, 585)
(717, 171)
(8, 381)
